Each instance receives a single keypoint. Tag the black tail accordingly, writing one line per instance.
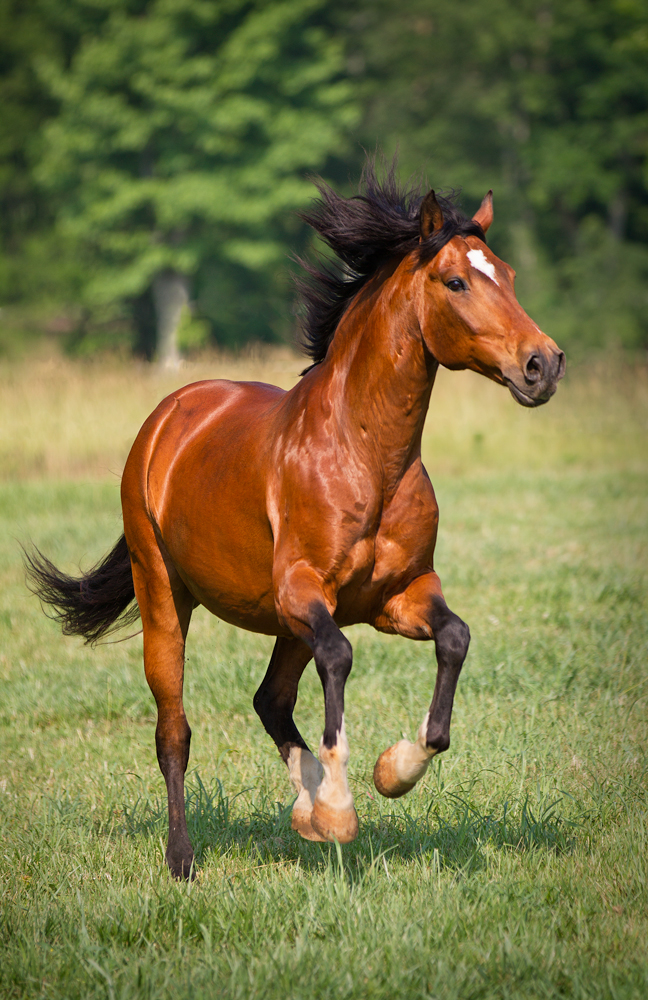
(92, 605)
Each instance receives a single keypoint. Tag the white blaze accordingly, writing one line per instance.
(478, 259)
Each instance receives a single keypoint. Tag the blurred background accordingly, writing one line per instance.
(154, 155)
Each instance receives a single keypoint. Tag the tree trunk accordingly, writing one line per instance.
(170, 296)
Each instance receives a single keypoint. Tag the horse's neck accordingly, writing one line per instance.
(378, 378)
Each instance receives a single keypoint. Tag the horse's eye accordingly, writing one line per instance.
(456, 285)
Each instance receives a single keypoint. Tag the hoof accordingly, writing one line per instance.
(388, 777)
(182, 865)
(301, 822)
(332, 824)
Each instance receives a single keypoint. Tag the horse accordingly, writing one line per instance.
(297, 513)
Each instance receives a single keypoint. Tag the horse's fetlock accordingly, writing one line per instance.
(438, 742)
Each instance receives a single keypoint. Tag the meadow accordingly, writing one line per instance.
(516, 869)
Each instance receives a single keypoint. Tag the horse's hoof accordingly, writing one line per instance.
(181, 866)
(385, 775)
(301, 822)
(334, 824)
(180, 858)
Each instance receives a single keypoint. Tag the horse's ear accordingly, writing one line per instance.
(484, 214)
(431, 215)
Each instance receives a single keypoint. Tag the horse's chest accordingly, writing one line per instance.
(406, 536)
(400, 542)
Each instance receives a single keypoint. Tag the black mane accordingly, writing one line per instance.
(364, 232)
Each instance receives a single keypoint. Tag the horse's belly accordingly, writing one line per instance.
(255, 614)
(227, 571)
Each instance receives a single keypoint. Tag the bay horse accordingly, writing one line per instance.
(297, 513)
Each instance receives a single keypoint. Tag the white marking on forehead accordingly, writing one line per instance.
(478, 259)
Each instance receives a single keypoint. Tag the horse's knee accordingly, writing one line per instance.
(340, 663)
(455, 638)
(334, 658)
(451, 634)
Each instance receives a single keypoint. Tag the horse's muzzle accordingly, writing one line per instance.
(542, 373)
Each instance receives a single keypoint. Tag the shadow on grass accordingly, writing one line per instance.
(455, 837)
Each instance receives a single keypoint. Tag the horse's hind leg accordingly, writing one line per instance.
(422, 613)
(274, 703)
(165, 605)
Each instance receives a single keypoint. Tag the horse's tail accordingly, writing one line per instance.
(92, 605)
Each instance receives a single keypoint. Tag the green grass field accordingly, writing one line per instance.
(518, 868)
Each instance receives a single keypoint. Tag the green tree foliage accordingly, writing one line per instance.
(545, 101)
(24, 216)
(180, 150)
(166, 144)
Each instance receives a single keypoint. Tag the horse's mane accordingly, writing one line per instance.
(379, 224)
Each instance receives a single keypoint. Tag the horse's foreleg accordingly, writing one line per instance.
(304, 610)
(422, 613)
(274, 703)
(334, 815)
(166, 605)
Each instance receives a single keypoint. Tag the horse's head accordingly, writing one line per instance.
(470, 317)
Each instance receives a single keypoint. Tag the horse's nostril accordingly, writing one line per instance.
(561, 365)
(533, 369)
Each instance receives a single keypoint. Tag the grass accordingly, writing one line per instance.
(516, 869)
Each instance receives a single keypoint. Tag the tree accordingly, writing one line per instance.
(154, 152)
(545, 101)
(185, 132)
(24, 214)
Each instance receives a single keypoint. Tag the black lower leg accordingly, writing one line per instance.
(275, 700)
(452, 638)
(333, 659)
(173, 757)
